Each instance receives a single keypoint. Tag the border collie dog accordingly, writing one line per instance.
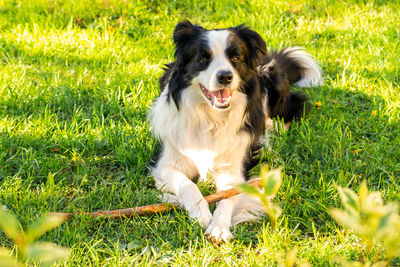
(217, 100)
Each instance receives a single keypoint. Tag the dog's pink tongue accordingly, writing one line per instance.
(226, 93)
(222, 95)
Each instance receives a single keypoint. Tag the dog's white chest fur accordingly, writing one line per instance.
(203, 159)
(212, 140)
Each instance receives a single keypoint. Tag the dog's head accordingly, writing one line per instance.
(215, 63)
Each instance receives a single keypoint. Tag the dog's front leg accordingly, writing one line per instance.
(218, 230)
(172, 180)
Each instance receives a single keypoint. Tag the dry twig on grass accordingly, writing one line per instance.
(156, 208)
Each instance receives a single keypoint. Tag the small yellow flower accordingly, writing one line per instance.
(373, 113)
(318, 104)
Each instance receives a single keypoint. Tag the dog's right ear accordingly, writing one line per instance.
(185, 31)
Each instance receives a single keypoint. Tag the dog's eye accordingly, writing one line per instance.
(203, 59)
(235, 59)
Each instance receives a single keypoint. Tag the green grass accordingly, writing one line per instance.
(77, 80)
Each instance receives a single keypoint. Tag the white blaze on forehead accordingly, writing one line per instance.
(218, 41)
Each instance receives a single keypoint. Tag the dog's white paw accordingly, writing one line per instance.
(201, 212)
(217, 233)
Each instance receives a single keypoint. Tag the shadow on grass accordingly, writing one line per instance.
(118, 98)
(348, 139)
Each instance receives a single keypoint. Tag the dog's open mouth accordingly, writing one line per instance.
(219, 99)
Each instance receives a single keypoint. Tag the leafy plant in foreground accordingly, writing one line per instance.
(290, 260)
(43, 253)
(367, 216)
(271, 181)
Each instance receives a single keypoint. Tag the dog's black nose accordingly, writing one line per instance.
(224, 77)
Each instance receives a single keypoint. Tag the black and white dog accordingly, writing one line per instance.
(218, 97)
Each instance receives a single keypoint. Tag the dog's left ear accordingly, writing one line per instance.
(255, 44)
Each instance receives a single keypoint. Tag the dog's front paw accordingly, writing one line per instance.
(201, 212)
(217, 233)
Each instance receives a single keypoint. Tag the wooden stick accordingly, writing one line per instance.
(156, 208)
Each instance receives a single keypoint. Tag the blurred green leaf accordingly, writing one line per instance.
(349, 199)
(363, 191)
(388, 221)
(9, 225)
(8, 261)
(380, 264)
(249, 190)
(41, 226)
(374, 199)
(276, 211)
(347, 220)
(373, 203)
(271, 180)
(46, 253)
(393, 248)
(291, 257)
(4, 251)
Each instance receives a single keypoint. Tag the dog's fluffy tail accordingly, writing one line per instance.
(278, 71)
(247, 209)
(299, 66)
